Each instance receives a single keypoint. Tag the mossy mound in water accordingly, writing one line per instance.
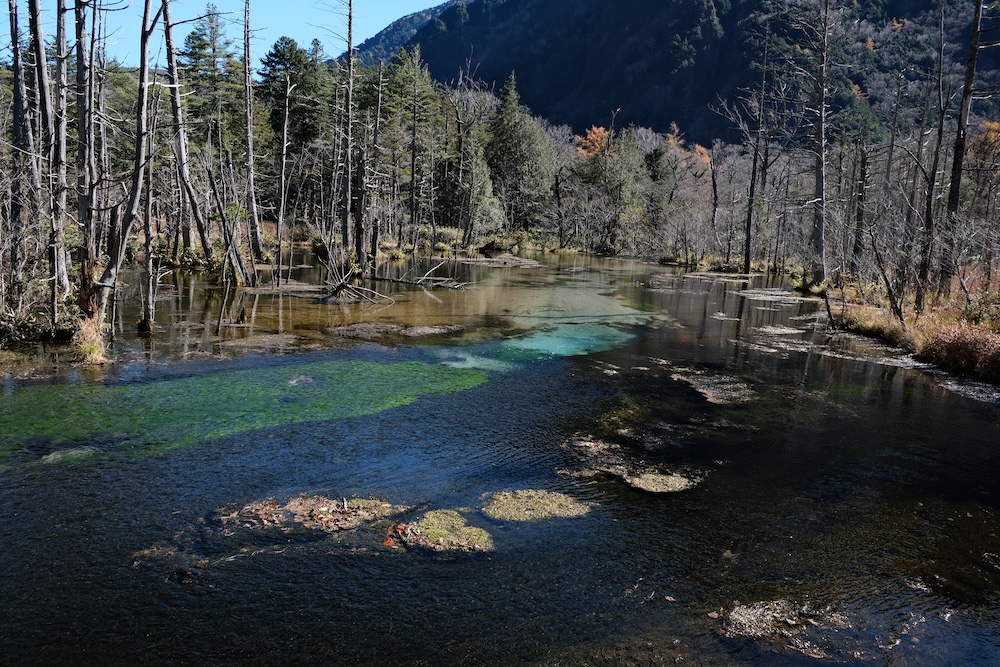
(788, 626)
(606, 458)
(659, 483)
(718, 389)
(441, 530)
(312, 513)
(532, 504)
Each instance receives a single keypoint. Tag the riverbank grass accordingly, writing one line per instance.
(942, 336)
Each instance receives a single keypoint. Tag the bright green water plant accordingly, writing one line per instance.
(156, 416)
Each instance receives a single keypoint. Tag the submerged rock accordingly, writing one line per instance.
(533, 504)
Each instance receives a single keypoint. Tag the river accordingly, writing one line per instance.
(830, 501)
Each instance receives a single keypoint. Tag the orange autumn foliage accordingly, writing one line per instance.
(593, 143)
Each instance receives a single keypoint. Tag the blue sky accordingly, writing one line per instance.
(302, 20)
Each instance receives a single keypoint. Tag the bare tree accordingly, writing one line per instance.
(256, 247)
(180, 134)
(117, 237)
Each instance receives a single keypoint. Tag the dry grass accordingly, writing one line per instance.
(965, 349)
(89, 341)
(942, 335)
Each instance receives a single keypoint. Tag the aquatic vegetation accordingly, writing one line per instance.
(655, 482)
(320, 513)
(156, 416)
(441, 530)
(718, 389)
(599, 457)
(786, 625)
(623, 416)
(533, 504)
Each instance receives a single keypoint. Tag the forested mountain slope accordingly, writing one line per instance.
(671, 61)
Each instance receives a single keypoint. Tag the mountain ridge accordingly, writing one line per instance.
(589, 62)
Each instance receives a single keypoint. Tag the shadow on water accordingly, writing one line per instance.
(759, 489)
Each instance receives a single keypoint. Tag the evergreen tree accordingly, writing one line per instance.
(521, 159)
(211, 73)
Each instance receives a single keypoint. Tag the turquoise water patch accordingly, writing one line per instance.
(466, 360)
(142, 418)
(567, 340)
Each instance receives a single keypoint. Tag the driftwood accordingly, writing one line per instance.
(427, 280)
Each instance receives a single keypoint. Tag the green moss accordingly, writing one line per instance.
(163, 415)
(447, 530)
(626, 414)
(532, 504)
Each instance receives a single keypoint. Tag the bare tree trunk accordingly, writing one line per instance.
(57, 242)
(85, 162)
(927, 231)
(751, 201)
(181, 134)
(22, 150)
(817, 238)
(930, 177)
(948, 259)
(256, 247)
(145, 325)
(116, 241)
(49, 155)
(345, 224)
(282, 175)
(859, 213)
(233, 255)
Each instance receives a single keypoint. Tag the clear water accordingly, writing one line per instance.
(842, 481)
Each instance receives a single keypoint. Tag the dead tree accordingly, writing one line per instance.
(180, 136)
(118, 236)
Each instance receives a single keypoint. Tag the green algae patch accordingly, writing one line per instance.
(156, 416)
(533, 504)
(441, 530)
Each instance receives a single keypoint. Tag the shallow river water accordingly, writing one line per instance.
(838, 502)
